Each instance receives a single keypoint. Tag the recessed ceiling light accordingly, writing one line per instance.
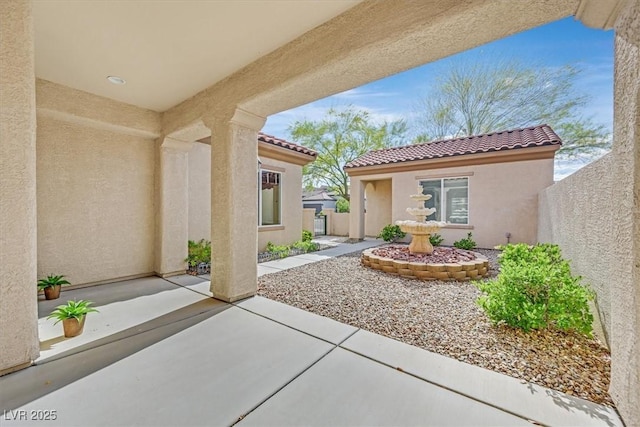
(116, 80)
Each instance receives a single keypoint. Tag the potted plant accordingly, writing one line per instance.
(51, 286)
(72, 315)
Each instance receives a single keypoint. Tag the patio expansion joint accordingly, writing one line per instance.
(235, 304)
(399, 369)
(266, 399)
(187, 287)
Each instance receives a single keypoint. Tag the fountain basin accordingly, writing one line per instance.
(420, 232)
(444, 263)
(415, 227)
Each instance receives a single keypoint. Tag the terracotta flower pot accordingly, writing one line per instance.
(52, 292)
(72, 327)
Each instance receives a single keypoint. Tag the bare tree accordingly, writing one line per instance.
(482, 97)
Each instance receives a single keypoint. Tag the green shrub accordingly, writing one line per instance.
(391, 233)
(342, 205)
(199, 252)
(307, 236)
(436, 239)
(280, 251)
(468, 243)
(535, 290)
(306, 246)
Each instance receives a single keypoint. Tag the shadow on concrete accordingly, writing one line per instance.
(576, 404)
(573, 404)
(108, 293)
(39, 380)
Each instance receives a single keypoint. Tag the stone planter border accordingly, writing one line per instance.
(458, 271)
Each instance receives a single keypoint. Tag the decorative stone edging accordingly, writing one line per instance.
(460, 271)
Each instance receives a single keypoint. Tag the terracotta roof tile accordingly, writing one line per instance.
(536, 136)
(285, 144)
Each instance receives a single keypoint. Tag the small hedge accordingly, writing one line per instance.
(391, 233)
(301, 246)
(199, 252)
(535, 290)
(435, 239)
(467, 243)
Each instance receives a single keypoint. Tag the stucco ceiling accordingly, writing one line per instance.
(167, 51)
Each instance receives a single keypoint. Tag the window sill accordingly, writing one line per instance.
(270, 228)
(459, 227)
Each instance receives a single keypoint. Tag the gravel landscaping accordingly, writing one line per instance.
(442, 317)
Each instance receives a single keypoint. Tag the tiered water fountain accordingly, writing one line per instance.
(420, 229)
(420, 260)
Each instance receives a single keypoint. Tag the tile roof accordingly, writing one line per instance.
(285, 144)
(536, 136)
(321, 196)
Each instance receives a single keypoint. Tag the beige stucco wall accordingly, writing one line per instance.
(503, 197)
(18, 310)
(581, 221)
(308, 216)
(95, 202)
(625, 283)
(200, 199)
(339, 225)
(595, 217)
(291, 204)
(200, 192)
(378, 206)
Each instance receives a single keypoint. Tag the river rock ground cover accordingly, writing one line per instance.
(442, 317)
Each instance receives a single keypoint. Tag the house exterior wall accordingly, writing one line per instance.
(95, 192)
(324, 204)
(378, 198)
(200, 202)
(18, 253)
(200, 192)
(581, 221)
(503, 197)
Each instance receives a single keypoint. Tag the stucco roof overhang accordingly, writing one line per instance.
(510, 145)
(197, 60)
(167, 51)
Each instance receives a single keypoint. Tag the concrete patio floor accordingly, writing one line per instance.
(163, 352)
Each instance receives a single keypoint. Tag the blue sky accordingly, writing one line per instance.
(559, 43)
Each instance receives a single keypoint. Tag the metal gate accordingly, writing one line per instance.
(320, 225)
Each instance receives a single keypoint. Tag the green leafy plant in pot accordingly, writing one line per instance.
(51, 286)
(72, 315)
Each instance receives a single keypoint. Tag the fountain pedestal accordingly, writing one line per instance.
(420, 244)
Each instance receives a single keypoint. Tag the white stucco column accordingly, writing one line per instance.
(234, 205)
(356, 208)
(18, 242)
(172, 208)
(625, 285)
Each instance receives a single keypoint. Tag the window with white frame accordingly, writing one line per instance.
(269, 199)
(450, 197)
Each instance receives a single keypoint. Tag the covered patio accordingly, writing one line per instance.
(95, 173)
